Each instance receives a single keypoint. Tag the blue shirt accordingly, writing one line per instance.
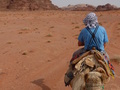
(101, 38)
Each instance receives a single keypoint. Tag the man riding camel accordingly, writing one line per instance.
(86, 60)
(93, 35)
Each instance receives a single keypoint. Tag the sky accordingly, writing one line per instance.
(61, 3)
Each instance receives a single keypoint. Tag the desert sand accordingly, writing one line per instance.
(36, 47)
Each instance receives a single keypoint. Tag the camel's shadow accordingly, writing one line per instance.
(40, 82)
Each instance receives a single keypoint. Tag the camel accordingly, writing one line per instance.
(90, 81)
(90, 72)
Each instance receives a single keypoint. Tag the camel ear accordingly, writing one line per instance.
(86, 77)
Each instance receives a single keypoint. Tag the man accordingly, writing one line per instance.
(91, 36)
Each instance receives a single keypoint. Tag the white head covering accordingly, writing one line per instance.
(91, 20)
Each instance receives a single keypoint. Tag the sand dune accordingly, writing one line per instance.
(36, 47)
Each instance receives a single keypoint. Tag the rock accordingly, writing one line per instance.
(4, 4)
(27, 5)
(87, 7)
(80, 7)
(106, 7)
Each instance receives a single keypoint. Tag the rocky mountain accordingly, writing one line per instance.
(106, 7)
(80, 7)
(27, 5)
(4, 4)
(86, 7)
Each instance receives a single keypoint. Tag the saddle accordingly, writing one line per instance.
(90, 61)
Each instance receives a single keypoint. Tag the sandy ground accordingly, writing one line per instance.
(35, 47)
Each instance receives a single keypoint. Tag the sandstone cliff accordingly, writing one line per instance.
(80, 7)
(87, 7)
(4, 4)
(27, 5)
(106, 7)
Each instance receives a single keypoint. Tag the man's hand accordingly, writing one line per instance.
(80, 43)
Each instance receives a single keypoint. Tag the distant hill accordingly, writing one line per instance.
(47, 5)
(27, 5)
(106, 7)
(87, 7)
(80, 7)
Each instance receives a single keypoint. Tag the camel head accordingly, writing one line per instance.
(94, 81)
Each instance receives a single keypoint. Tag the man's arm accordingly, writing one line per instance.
(105, 45)
(105, 38)
(80, 43)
